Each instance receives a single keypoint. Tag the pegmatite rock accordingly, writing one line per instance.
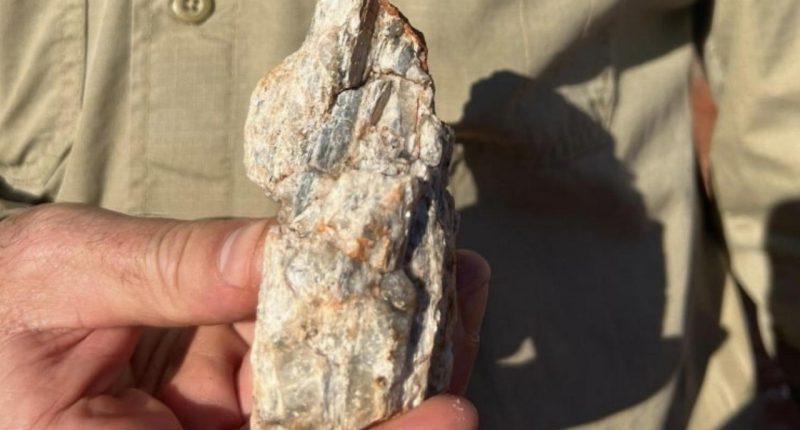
(357, 303)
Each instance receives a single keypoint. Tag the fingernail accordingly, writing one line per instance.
(238, 251)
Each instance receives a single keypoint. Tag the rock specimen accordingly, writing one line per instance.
(357, 302)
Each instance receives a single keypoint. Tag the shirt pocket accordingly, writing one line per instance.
(42, 59)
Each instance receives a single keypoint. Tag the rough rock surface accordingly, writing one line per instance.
(357, 301)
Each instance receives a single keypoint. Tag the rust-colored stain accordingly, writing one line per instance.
(409, 31)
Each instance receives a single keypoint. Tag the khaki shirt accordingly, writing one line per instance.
(611, 306)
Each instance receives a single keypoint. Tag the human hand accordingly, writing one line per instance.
(77, 285)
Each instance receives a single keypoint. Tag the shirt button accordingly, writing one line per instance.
(192, 11)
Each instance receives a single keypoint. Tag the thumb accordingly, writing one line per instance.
(69, 266)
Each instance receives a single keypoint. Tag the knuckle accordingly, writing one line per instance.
(166, 254)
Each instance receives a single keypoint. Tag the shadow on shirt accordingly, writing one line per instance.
(573, 330)
(776, 403)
